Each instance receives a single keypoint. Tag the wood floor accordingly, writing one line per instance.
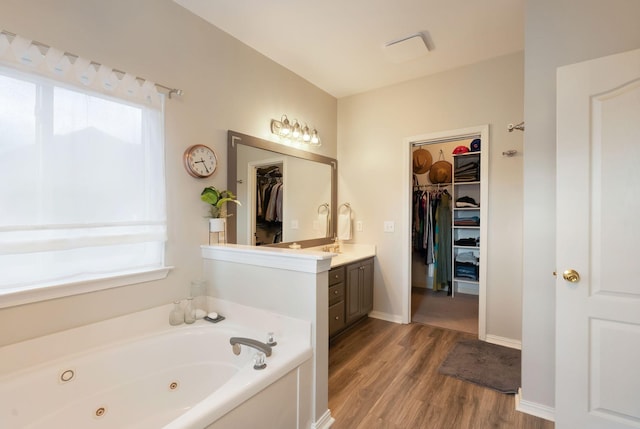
(385, 375)
(438, 309)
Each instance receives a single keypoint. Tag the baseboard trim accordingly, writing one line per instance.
(386, 316)
(324, 422)
(534, 409)
(503, 341)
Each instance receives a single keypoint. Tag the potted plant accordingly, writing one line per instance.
(217, 200)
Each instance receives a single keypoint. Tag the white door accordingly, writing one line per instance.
(598, 236)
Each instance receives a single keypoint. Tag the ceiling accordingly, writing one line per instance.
(338, 44)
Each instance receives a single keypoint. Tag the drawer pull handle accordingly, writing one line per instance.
(335, 292)
(337, 317)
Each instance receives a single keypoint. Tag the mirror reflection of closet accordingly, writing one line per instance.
(309, 180)
(267, 211)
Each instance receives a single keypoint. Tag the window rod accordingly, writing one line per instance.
(170, 91)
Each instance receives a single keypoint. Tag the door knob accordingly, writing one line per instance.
(571, 276)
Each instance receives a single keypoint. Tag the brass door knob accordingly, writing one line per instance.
(571, 276)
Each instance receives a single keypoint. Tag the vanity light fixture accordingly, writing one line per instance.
(294, 131)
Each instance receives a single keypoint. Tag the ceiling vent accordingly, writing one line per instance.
(406, 48)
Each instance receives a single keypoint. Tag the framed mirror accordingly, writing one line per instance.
(288, 195)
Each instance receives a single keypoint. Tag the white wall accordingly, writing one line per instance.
(371, 152)
(558, 32)
(227, 86)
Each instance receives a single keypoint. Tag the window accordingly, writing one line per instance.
(82, 192)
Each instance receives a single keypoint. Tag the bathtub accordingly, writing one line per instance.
(137, 371)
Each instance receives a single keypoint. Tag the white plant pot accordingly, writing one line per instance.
(216, 225)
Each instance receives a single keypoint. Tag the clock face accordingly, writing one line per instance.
(200, 161)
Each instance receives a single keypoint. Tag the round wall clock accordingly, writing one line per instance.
(200, 161)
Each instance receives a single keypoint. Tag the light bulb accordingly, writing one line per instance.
(305, 134)
(286, 128)
(296, 130)
(314, 137)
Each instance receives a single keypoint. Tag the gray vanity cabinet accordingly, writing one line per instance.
(336, 300)
(350, 294)
(359, 292)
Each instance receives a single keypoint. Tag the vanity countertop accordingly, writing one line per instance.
(311, 259)
(350, 253)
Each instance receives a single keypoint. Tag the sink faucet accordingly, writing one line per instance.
(236, 341)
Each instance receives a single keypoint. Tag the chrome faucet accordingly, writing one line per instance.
(260, 346)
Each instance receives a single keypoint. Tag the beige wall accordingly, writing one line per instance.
(227, 86)
(558, 32)
(371, 152)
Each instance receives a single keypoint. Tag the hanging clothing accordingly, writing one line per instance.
(269, 196)
(429, 229)
(431, 233)
(271, 214)
(442, 275)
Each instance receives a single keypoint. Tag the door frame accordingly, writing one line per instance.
(461, 133)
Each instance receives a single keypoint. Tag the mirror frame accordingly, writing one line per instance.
(235, 138)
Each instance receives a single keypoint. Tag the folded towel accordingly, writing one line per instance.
(344, 226)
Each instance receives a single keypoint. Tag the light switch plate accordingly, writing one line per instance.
(389, 226)
(359, 226)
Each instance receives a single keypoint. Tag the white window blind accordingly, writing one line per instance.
(82, 191)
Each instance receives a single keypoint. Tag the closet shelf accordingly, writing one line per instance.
(466, 226)
(465, 280)
(466, 247)
(466, 183)
(462, 155)
(467, 208)
(432, 186)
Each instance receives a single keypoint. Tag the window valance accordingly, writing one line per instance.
(28, 55)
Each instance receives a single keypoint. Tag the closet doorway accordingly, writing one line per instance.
(448, 198)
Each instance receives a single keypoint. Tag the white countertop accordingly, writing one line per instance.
(311, 259)
(272, 257)
(350, 253)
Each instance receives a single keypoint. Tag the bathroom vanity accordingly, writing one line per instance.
(350, 294)
(350, 287)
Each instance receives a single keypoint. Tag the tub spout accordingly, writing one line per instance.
(236, 341)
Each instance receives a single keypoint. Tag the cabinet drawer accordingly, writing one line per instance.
(336, 317)
(336, 293)
(336, 275)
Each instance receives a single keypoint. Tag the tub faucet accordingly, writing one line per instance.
(236, 341)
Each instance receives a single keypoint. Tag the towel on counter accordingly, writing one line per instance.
(344, 226)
